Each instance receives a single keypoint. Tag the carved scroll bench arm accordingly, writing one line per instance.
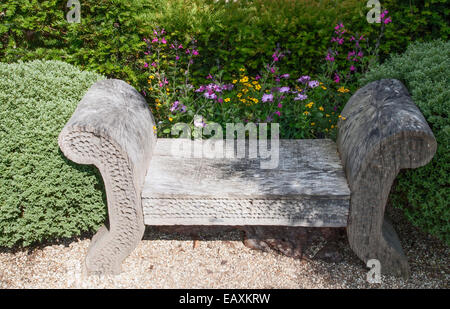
(112, 128)
(383, 132)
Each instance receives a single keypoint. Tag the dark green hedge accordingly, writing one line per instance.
(43, 196)
(109, 38)
(424, 193)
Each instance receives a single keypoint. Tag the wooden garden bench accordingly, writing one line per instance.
(318, 183)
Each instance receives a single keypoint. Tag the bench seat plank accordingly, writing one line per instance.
(308, 188)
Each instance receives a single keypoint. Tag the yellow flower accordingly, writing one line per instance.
(244, 79)
(239, 95)
(157, 100)
(151, 77)
(321, 108)
(310, 104)
(235, 81)
(254, 82)
(255, 100)
(327, 115)
(332, 126)
(258, 87)
(324, 88)
(242, 69)
(154, 128)
(343, 90)
(306, 113)
(170, 118)
(227, 100)
(245, 90)
(313, 123)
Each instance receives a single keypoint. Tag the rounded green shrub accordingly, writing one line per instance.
(424, 193)
(42, 194)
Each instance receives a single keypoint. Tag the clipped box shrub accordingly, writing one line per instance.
(424, 193)
(43, 196)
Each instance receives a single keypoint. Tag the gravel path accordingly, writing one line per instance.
(170, 260)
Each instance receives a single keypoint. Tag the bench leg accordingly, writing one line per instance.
(370, 234)
(112, 244)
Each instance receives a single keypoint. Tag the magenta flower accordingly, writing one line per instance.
(146, 65)
(267, 98)
(257, 77)
(278, 113)
(352, 68)
(329, 58)
(177, 57)
(337, 79)
(280, 105)
(210, 95)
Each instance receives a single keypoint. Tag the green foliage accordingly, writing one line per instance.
(109, 37)
(42, 194)
(424, 193)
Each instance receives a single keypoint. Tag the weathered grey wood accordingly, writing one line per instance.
(308, 188)
(112, 128)
(383, 132)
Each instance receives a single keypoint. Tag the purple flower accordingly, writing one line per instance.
(267, 97)
(313, 84)
(284, 89)
(300, 97)
(201, 89)
(210, 95)
(198, 122)
(228, 87)
(304, 79)
(174, 106)
(285, 76)
(177, 57)
(257, 77)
